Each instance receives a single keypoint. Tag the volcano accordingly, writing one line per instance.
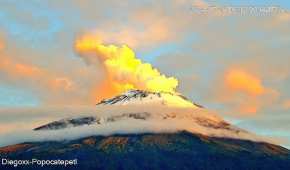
(148, 130)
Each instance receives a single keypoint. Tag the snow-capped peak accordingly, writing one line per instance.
(137, 97)
(138, 111)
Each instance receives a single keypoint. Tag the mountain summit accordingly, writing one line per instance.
(140, 97)
(151, 112)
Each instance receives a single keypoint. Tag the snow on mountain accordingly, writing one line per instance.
(139, 97)
(133, 112)
(141, 111)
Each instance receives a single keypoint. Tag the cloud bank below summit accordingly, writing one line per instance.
(13, 131)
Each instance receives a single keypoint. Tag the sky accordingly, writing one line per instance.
(236, 65)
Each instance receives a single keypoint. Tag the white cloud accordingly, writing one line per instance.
(13, 128)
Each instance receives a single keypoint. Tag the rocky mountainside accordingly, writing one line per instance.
(182, 150)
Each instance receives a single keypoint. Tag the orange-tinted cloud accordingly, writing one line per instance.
(25, 70)
(240, 80)
(2, 44)
(36, 78)
(249, 109)
(243, 92)
(283, 17)
(199, 3)
(157, 33)
(2, 41)
(286, 104)
(146, 27)
(34, 73)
